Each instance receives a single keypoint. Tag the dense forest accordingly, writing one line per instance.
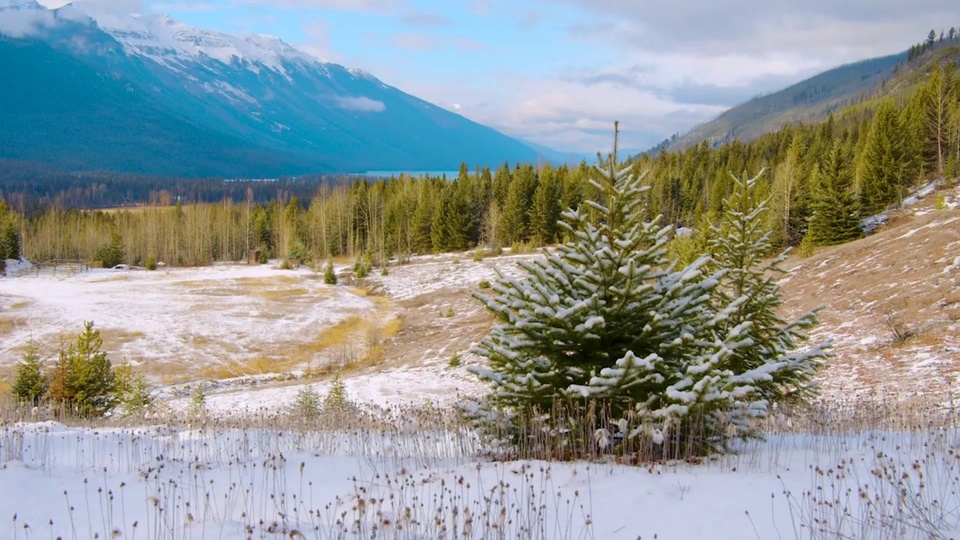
(821, 179)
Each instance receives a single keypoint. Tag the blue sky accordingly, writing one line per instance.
(559, 72)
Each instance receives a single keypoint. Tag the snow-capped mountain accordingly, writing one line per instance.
(145, 93)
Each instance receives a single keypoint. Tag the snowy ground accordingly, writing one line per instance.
(161, 482)
(250, 332)
(179, 324)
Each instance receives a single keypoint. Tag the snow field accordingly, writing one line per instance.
(183, 324)
(418, 478)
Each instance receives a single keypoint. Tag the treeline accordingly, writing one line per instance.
(946, 37)
(379, 219)
(28, 186)
(822, 179)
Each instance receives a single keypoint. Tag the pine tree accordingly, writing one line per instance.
(307, 405)
(30, 384)
(336, 401)
(884, 161)
(83, 380)
(835, 218)
(545, 211)
(329, 276)
(601, 318)
(606, 317)
(763, 362)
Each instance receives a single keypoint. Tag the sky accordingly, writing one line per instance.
(559, 72)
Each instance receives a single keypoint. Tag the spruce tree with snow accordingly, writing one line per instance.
(604, 317)
(761, 359)
(607, 318)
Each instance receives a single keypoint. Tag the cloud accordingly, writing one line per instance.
(366, 6)
(410, 41)
(419, 18)
(26, 23)
(855, 27)
(360, 104)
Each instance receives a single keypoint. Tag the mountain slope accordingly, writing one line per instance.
(906, 279)
(147, 91)
(808, 101)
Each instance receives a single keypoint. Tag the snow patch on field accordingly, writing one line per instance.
(221, 315)
(428, 274)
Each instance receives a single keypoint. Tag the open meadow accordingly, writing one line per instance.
(877, 456)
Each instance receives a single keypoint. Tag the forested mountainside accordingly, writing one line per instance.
(814, 99)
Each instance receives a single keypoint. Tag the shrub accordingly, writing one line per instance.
(152, 262)
(362, 266)
(484, 284)
(329, 276)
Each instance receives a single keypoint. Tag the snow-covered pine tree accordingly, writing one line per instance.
(763, 361)
(689, 357)
(603, 317)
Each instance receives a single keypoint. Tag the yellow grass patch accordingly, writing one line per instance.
(113, 336)
(277, 295)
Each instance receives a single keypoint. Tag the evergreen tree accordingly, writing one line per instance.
(451, 222)
(307, 405)
(515, 217)
(607, 318)
(9, 233)
(883, 162)
(762, 348)
(84, 380)
(329, 276)
(545, 212)
(30, 384)
(423, 219)
(135, 398)
(836, 214)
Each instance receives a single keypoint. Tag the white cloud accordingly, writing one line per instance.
(360, 104)
(24, 23)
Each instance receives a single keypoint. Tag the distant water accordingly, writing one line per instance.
(415, 174)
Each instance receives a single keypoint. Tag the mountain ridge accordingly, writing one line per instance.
(809, 100)
(294, 112)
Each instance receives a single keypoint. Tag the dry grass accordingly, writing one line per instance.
(889, 303)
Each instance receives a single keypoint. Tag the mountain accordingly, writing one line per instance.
(808, 101)
(147, 94)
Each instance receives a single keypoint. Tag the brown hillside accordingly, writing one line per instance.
(891, 304)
